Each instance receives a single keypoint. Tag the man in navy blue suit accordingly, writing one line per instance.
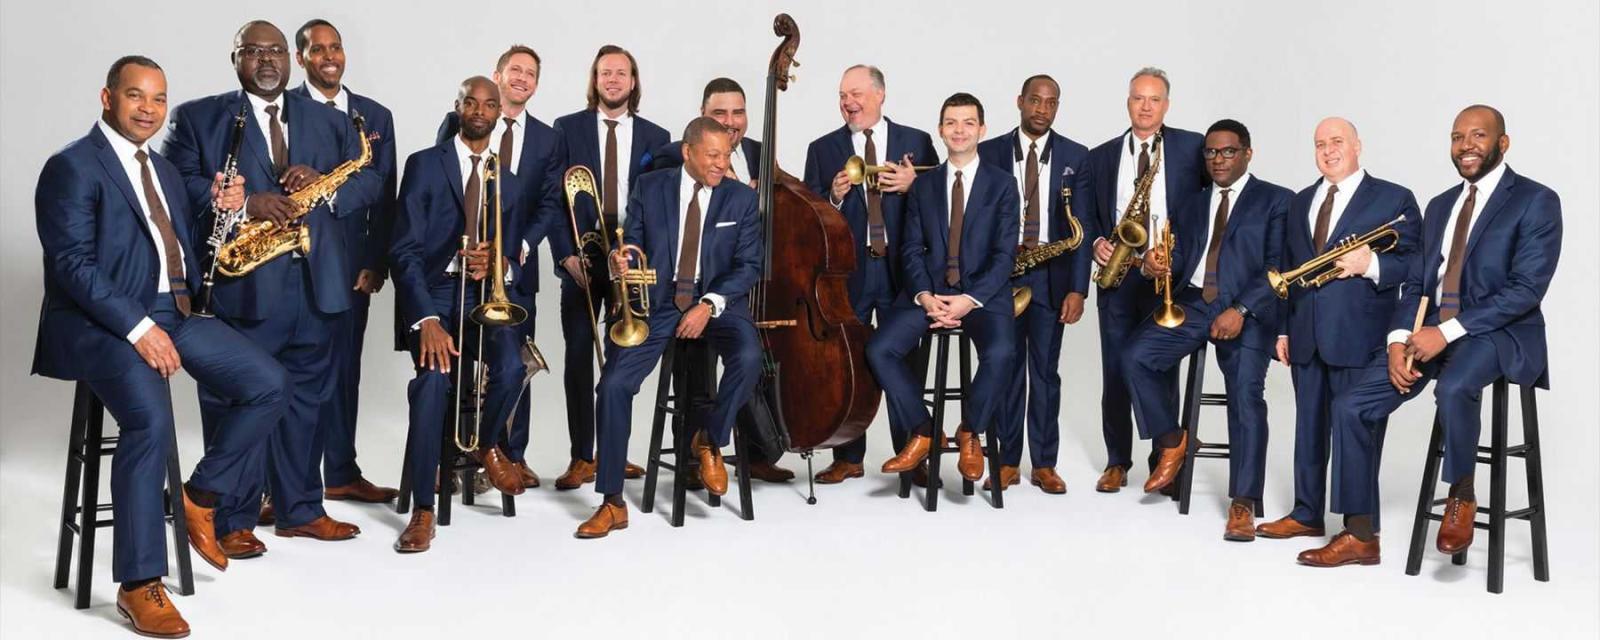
(876, 215)
(1490, 247)
(615, 143)
(1227, 238)
(1331, 333)
(114, 223)
(956, 254)
(319, 50)
(445, 197)
(1048, 168)
(1115, 167)
(291, 304)
(702, 236)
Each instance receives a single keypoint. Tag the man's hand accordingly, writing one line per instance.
(1227, 325)
(841, 186)
(1401, 375)
(576, 268)
(933, 306)
(157, 350)
(1102, 251)
(1426, 344)
(619, 264)
(274, 207)
(956, 308)
(368, 282)
(298, 177)
(898, 177)
(477, 259)
(694, 321)
(1355, 263)
(1071, 309)
(1155, 263)
(437, 347)
(230, 199)
(1283, 350)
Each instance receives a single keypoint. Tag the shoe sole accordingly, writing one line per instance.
(206, 558)
(562, 486)
(850, 476)
(1238, 538)
(1450, 552)
(340, 498)
(288, 533)
(246, 555)
(148, 634)
(583, 536)
(1365, 562)
(1040, 485)
(1319, 533)
(402, 551)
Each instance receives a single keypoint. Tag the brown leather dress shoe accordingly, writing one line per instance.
(839, 471)
(607, 518)
(1241, 524)
(713, 473)
(418, 534)
(919, 477)
(1287, 527)
(911, 455)
(502, 473)
(1112, 480)
(1167, 466)
(1047, 480)
(324, 528)
(268, 516)
(241, 544)
(970, 458)
(361, 491)
(631, 471)
(203, 533)
(152, 612)
(1009, 475)
(577, 474)
(768, 472)
(1344, 549)
(1455, 529)
(530, 480)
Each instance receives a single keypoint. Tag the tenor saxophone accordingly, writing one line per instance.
(1130, 234)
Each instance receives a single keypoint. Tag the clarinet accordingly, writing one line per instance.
(222, 222)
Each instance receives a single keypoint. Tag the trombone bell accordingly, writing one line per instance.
(499, 313)
(1020, 297)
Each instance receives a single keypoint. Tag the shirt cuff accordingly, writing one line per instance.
(418, 325)
(1399, 336)
(975, 303)
(1372, 269)
(1452, 330)
(525, 251)
(918, 298)
(717, 303)
(140, 329)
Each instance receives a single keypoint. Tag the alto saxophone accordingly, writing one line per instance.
(1130, 234)
(259, 241)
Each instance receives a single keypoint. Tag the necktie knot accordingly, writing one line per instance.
(1033, 147)
(333, 103)
(611, 124)
(958, 175)
(867, 133)
(475, 159)
(1472, 191)
(510, 122)
(1143, 147)
(1333, 189)
(272, 110)
(141, 156)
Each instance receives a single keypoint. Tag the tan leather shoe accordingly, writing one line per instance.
(1241, 524)
(970, 457)
(1112, 480)
(1047, 480)
(1455, 529)
(267, 516)
(768, 472)
(577, 474)
(203, 533)
(323, 528)
(1168, 466)
(530, 480)
(606, 519)
(502, 474)
(1009, 475)
(713, 473)
(1287, 527)
(631, 471)
(919, 477)
(1344, 549)
(361, 491)
(911, 455)
(152, 612)
(418, 534)
(839, 471)
(241, 544)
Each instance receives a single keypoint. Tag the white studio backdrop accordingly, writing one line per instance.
(1399, 71)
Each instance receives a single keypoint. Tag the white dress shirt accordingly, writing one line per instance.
(519, 128)
(1020, 168)
(685, 190)
(1198, 280)
(624, 157)
(125, 150)
(341, 100)
(738, 164)
(968, 173)
(880, 143)
(1452, 328)
(263, 122)
(1128, 173)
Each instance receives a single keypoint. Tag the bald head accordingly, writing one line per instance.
(861, 95)
(1338, 149)
(478, 105)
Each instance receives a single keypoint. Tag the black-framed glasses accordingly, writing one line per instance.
(1226, 152)
(260, 53)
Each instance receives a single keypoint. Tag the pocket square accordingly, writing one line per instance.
(727, 224)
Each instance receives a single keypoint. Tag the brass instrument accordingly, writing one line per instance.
(579, 180)
(860, 172)
(628, 330)
(494, 308)
(1169, 315)
(259, 241)
(1030, 258)
(1130, 234)
(1319, 270)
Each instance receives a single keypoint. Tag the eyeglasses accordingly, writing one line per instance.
(261, 53)
(1226, 152)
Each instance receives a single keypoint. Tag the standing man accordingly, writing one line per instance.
(319, 50)
(876, 216)
(113, 220)
(703, 239)
(289, 306)
(615, 143)
(1331, 333)
(1490, 247)
(1045, 166)
(1229, 237)
(1115, 167)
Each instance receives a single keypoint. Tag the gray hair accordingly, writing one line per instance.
(1153, 72)
(876, 73)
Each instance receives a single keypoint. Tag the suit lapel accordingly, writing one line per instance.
(671, 211)
(119, 176)
(1352, 209)
(1497, 201)
(299, 152)
(636, 150)
(452, 173)
(1241, 203)
(591, 147)
(254, 147)
(943, 219)
(1050, 200)
(708, 221)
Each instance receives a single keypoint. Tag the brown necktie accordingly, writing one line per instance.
(169, 240)
(958, 210)
(1144, 161)
(333, 103)
(1208, 291)
(1320, 237)
(683, 291)
(877, 233)
(1030, 218)
(506, 139)
(1450, 292)
(474, 189)
(280, 149)
(610, 178)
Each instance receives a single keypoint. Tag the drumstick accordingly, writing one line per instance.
(1422, 311)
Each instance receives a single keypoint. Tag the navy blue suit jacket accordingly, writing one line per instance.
(101, 268)
(988, 237)
(366, 232)
(430, 220)
(670, 156)
(730, 240)
(1251, 243)
(825, 158)
(319, 137)
(578, 131)
(1346, 321)
(1184, 174)
(1511, 256)
(1069, 167)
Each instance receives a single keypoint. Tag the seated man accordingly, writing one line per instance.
(702, 290)
(959, 246)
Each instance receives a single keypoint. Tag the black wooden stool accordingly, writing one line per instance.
(1194, 397)
(82, 517)
(1495, 456)
(687, 386)
(936, 397)
(453, 464)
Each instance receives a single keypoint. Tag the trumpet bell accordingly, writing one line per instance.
(855, 168)
(499, 313)
(532, 359)
(629, 332)
(1169, 316)
(1280, 284)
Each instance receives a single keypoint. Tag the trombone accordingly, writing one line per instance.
(1319, 270)
(860, 172)
(580, 180)
(494, 309)
(1169, 315)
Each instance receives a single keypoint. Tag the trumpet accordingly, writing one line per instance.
(580, 180)
(1130, 235)
(860, 172)
(628, 330)
(1169, 315)
(1319, 270)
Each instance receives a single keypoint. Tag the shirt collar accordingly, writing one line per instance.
(1237, 186)
(1020, 149)
(464, 153)
(1487, 184)
(968, 171)
(1134, 142)
(341, 100)
(260, 104)
(600, 117)
(121, 146)
(1350, 183)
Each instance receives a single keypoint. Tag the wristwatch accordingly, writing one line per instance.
(1239, 306)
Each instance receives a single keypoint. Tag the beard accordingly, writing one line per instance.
(613, 105)
(1490, 161)
(476, 131)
